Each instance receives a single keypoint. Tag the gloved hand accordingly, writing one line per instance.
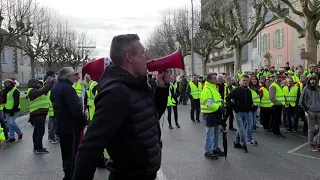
(221, 110)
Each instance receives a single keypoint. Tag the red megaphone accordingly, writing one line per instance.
(174, 60)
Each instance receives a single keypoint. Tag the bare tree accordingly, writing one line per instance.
(230, 23)
(309, 11)
(205, 43)
(33, 46)
(13, 23)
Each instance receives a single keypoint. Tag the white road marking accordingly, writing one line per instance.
(292, 151)
(297, 148)
(160, 175)
(305, 156)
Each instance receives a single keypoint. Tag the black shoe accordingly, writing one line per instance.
(193, 120)
(42, 151)
(198, 120)
(288, 130)
(210, 155)
(232, 129)
(245, 149)
(170, 127)
(178, 126)
(218, 152)
(237, 145)
(253, 143)
(281, 136)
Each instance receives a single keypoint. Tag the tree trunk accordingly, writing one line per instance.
(32, 64)
(311, 44)
(237, 60)
(1, 68)
(204, 67)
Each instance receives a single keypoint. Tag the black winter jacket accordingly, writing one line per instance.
(67, 108)
(126, 123)
(240, 99)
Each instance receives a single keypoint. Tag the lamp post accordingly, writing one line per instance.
(192, 43)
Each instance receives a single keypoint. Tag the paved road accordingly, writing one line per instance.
(183, 157)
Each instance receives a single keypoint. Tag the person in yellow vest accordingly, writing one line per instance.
(240, 99)
(290, 93)
(194, 89)
(301, 115)
(278, 100)
(38, 108)
(252, 122)
(229, 112)
(297, 75)
(80, 89)
(2, 136)
(11, 108)
(265, 105)
(2, 120)
(212, 109)
(172, 102)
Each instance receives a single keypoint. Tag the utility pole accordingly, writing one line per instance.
(83, 48)
(192, 43)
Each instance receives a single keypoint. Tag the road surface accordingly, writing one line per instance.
(183, 157)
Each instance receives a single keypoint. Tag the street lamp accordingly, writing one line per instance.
(192, 43)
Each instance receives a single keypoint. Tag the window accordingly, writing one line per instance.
(278, 39)
(265, 42)
(3, 56)
(278, 62)
(254, 43)
(21, 58)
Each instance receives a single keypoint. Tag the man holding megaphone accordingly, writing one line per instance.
(126, 118)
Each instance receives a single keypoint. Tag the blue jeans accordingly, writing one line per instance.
(251, 122)
(315, 139)
(13, 127)
(242, 119)
(212, 138)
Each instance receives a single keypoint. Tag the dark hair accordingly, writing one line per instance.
(209, 76)
(245, 76)
(250, 83)
(149, 75)
(121, 45)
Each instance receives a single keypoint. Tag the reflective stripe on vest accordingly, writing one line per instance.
(210, 99)
(265, 100)
(171, 101)
(40, 102)
(50, 112)
(91, 97)
(78, 87)
(255, 98)
(279, 93)
(291, 96)
(194, 90)
(10, 101)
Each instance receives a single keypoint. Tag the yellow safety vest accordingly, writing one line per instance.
(301, 86)
(291, 96)
(171, 101)
(50, 112)
(194, 90)
(227, 91)
(210, 99)
(279, 93)
(10, 101)
(40, 102)
(2, 136)
(91, 98)
(78, 87)
(295, 78)
(255, 97)
(265, 100)
(1, 107)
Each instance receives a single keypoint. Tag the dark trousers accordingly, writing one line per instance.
(113, 176)
(69, 145)
(229, 114)
(175, 112)
(183, 98)
(195, 106)
(276, 119)
(4, 126)
(38, 131)
(291, 114)
(265, 115)
(304, 119)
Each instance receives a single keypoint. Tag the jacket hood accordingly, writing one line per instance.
(312, 77)
(114, 74)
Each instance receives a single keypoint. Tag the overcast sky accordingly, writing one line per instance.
(103, 19)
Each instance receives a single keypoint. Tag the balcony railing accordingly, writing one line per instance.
(222, 57)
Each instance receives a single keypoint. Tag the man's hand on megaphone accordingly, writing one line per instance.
(163, 80)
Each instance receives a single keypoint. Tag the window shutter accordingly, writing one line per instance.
(268, 41)
(261, 44)
(274, 39)
(280, 38)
